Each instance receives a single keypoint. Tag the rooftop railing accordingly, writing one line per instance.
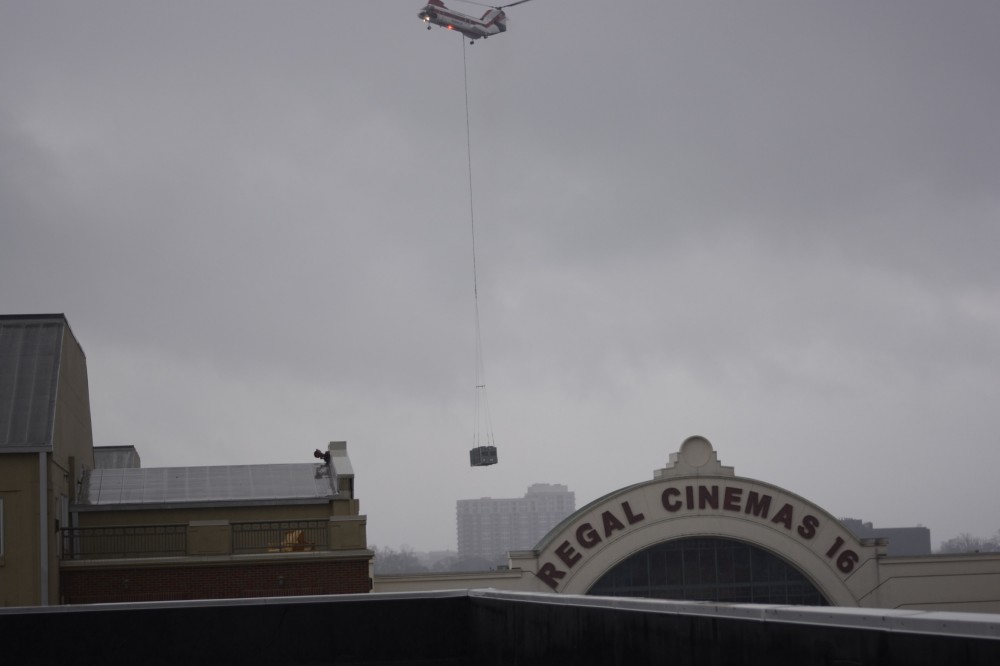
(286, 536)
(138, 541)
(96, 543)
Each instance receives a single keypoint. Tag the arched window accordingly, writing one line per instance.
(708, 569)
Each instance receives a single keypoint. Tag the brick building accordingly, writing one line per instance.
(80, 524)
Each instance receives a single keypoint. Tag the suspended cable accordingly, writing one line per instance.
(484, 448)
(468, 153)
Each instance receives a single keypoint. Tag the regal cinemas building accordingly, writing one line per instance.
(697, 531)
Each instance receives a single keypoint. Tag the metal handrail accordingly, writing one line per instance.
(280, 536)
(124, 541)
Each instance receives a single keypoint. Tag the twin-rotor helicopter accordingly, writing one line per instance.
(493, 22)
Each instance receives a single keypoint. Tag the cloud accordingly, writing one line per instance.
(772, 225)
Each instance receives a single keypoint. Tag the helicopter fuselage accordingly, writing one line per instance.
(491, 23)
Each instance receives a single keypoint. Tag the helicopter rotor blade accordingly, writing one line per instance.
(483, 4)
(479, 4)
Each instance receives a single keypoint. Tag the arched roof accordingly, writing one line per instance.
(695, 495)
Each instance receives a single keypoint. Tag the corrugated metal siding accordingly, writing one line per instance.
(29, 372)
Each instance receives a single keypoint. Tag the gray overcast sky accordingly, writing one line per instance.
(773, 223)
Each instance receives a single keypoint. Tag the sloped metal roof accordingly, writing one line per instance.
(224, 483)
(30, 351)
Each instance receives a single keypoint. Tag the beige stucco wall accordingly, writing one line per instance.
(72, 435)
(72, 448)
(19, 565)
(500, 580)
(969, 583)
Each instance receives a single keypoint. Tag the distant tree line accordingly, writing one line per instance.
(968, 543)
(389, 561)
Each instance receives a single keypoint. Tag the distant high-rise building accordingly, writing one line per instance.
(489, 528)
(902, 540)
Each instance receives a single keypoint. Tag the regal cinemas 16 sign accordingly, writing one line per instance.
(659, 502)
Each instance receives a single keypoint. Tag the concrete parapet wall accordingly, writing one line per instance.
(209, 537)
(487, 627)
(519, 628)
(348, 532)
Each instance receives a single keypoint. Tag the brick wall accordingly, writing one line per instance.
(216, 581)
